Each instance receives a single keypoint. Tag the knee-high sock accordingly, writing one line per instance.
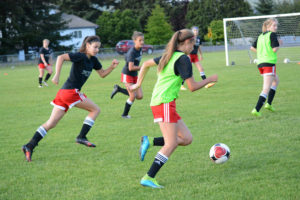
(271, 94)
(38, 135)
(127, 107)
(261, 100)
(159, 161)
(87, 125)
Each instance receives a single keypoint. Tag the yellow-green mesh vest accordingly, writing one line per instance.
(265, 53)
(168, 83)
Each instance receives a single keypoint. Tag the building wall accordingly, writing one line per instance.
(77, 36)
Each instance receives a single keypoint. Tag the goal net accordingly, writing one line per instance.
(241, 32)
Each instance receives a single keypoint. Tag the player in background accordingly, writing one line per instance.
(83, 62)
(45, 62)
(266, 46)
(129, 73)
(174, 67)
(195, 59)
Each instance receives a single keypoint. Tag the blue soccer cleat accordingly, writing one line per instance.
(145, 144)
(147, 181)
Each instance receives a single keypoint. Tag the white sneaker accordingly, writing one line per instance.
(126, 116)
(45, 83)
(40, 86)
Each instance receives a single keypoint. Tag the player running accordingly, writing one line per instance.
(129, 73)
(45, 62)
(266, 46)
(173, 67)
(195, 59)
(83, 62)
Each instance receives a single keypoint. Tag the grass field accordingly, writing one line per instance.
(265, 153)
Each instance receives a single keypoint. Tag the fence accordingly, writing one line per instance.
(104, 53)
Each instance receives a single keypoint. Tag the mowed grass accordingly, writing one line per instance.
(265, 153)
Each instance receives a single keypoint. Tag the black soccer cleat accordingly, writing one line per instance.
(28, 153)
(115, 91)
(85, 142)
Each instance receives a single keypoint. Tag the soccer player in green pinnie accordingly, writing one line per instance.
(173, 67)
(266, 46)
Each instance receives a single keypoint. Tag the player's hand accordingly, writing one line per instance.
(200, 57)
(115, 63)
(55, 80)
(133, 87)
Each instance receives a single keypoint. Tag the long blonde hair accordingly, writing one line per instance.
(268, 23)
(177, 39)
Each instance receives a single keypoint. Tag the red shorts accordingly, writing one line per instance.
(194, 58)
(67, 98)
(165, 112)
(128, 79)
(267, 70)
(42, 66)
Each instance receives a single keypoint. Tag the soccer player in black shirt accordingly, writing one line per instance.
(129, 73)
(69, 95)
(45, 62)
(194, 55)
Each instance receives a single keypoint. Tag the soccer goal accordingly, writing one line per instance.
(241, 32)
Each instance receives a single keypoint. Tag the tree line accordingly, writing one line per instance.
(25, 23)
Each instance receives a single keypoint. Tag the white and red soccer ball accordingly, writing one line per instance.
(219, 153)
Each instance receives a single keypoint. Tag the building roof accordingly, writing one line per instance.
(77, 22)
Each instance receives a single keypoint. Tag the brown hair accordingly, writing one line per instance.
(90, 40)
(267, 23)
(177, 39)
(136, 34)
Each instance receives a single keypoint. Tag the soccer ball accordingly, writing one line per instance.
(255, 61)
(219, 153)
(286, 60)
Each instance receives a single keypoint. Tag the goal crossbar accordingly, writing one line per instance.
(235, 19)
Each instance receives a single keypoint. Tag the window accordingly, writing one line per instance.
(77, 34)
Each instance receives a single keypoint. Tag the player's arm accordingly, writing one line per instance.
(104, 72)
(253, 49)
(254, 46)
(193, 85)
(275, 42)
(50, 59)
(43, 59)
(59, 62)
(132, 67)
(144, 69)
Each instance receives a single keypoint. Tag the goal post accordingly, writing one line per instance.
(241, 32)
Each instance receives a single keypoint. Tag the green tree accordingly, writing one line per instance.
(25, 24)
(87, 9)
(287, 6)
(158, 31)
(215, 31)
(264, 7)
(116, 26)
(202, 12)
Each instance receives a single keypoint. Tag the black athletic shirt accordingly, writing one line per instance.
(135, 56)
(196, 46)
(183, 66)
(274, 44)
(81, 69)
(47, 53)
